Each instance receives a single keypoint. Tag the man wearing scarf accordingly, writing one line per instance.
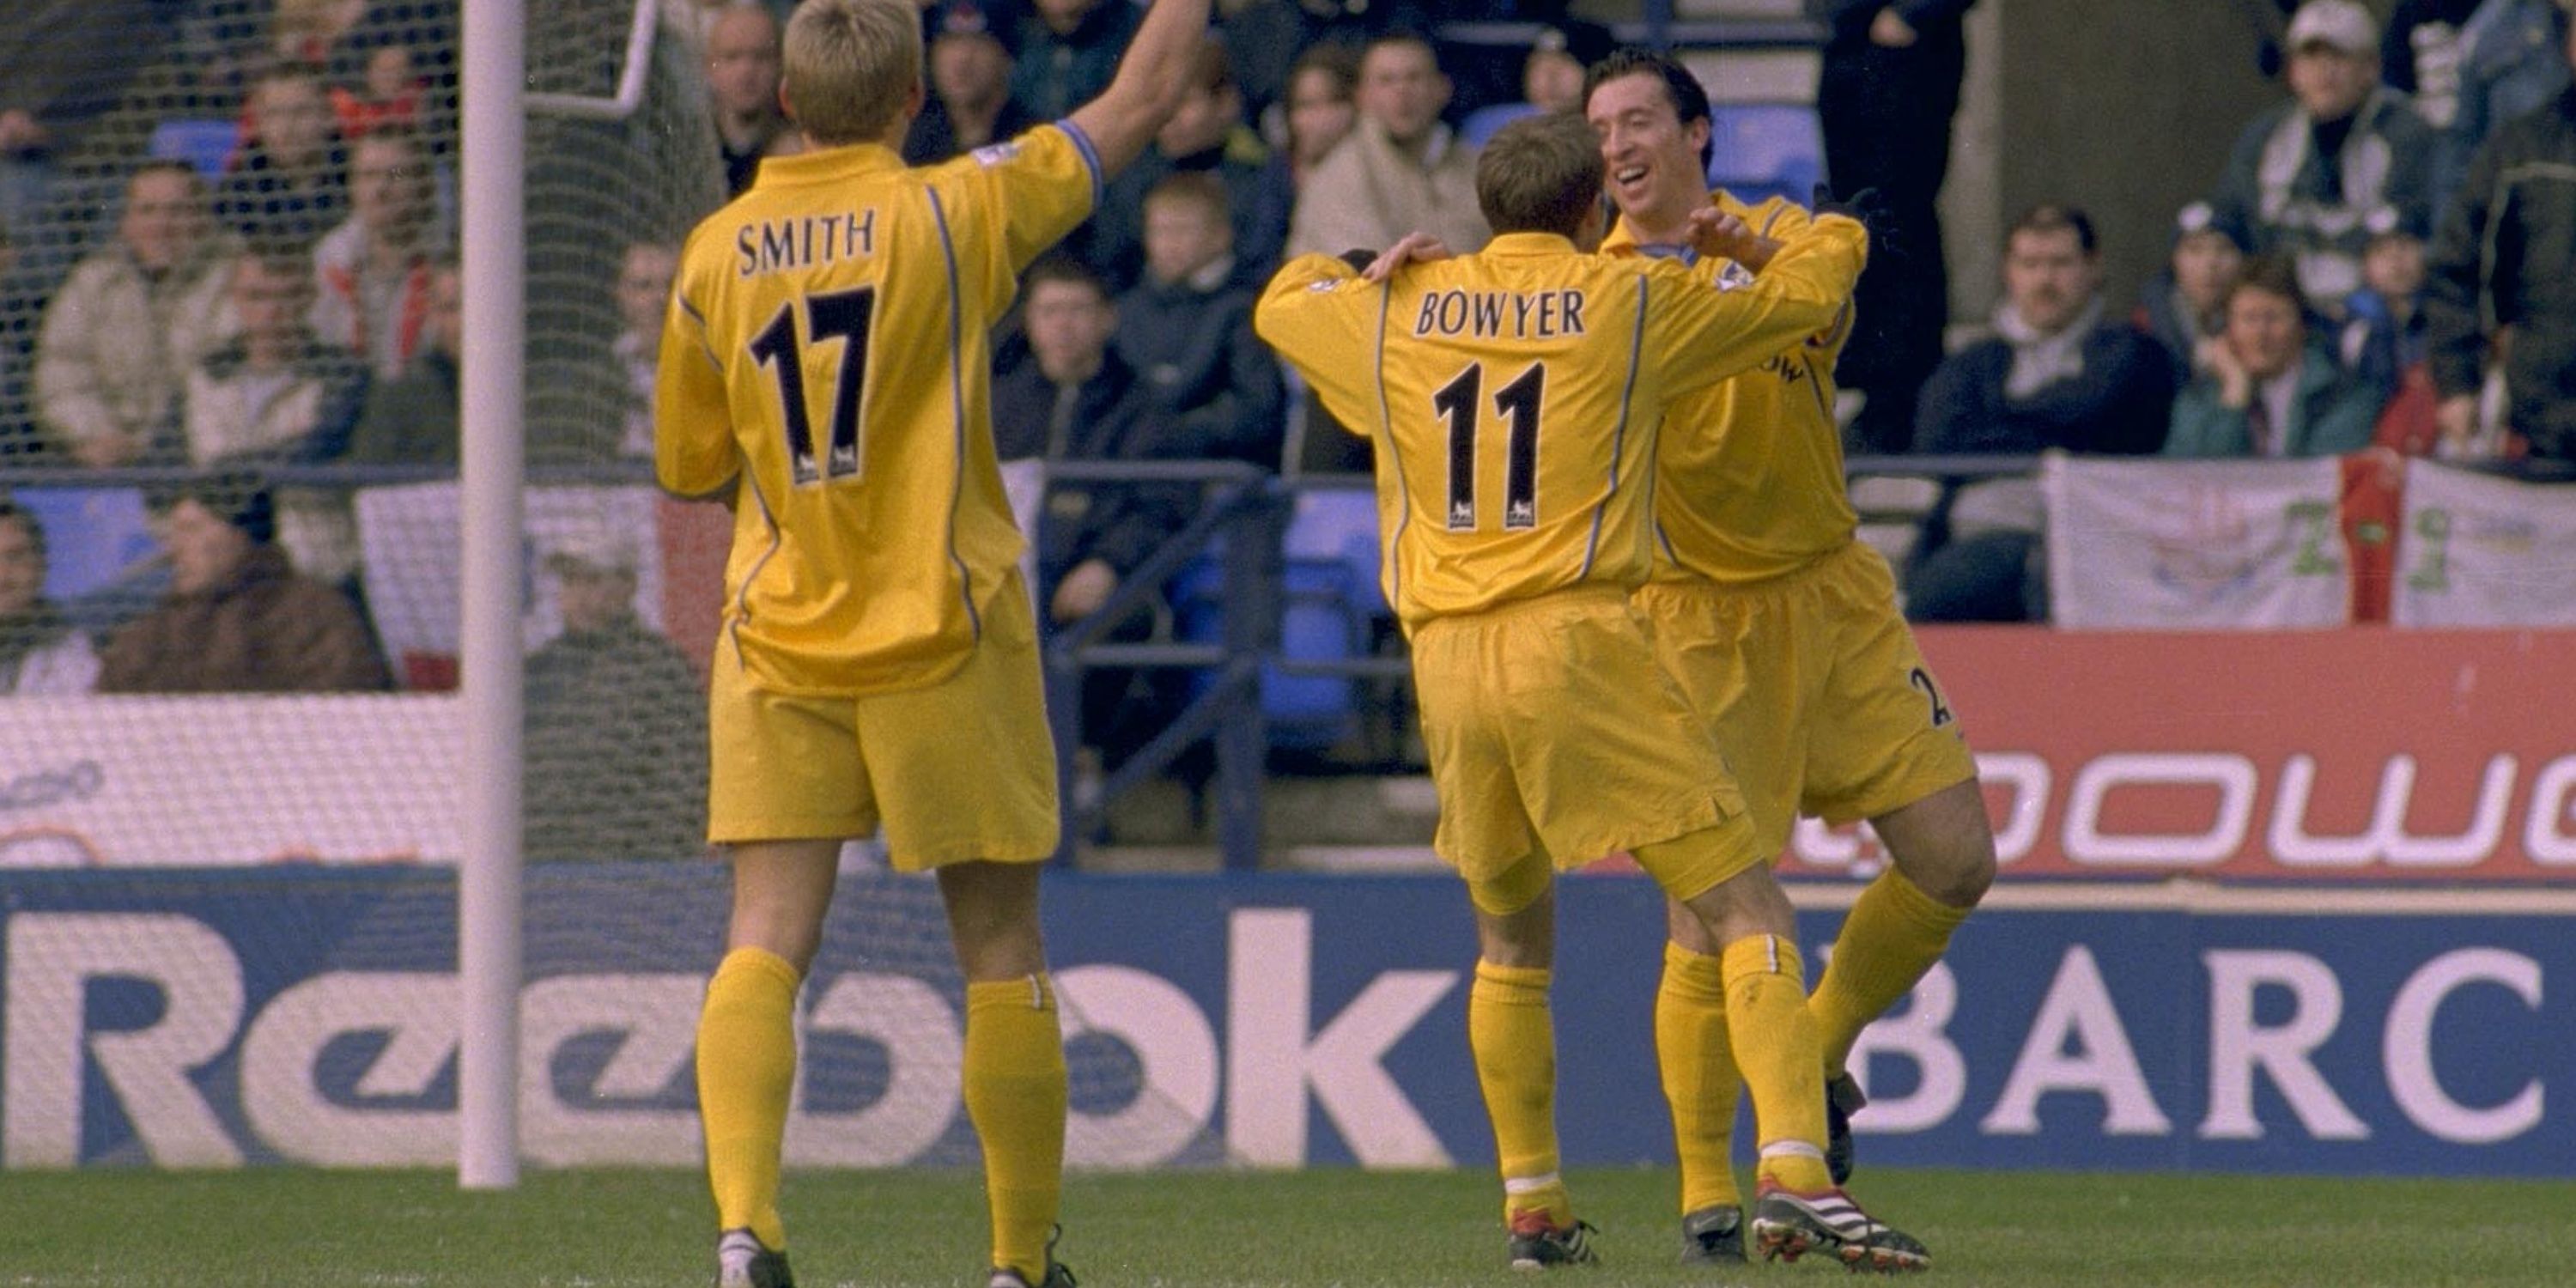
(2055, 375)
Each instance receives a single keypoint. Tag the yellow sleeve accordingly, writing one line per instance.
(1698, 334)
(1784, 220)
(1004, 205)
(1324, 319)
(693, 447)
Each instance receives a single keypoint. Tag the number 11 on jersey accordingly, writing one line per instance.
(1517, 402)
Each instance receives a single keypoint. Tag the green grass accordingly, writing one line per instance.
(1232, 1230)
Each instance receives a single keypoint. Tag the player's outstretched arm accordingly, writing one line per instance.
(1148, 88)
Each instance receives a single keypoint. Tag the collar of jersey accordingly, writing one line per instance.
(829, 164)
(1623, 239)
(1528, 244)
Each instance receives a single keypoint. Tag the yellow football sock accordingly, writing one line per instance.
(746, 1072)
(1514, 1041)
(1775, 1046)
(1893, 935)
(1015, 1093)
(1700, 1078)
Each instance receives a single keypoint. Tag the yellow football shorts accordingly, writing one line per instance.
(960, 770)
(1554, 740)
(1815, 689)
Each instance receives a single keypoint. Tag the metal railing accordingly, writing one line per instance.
(1239, 525)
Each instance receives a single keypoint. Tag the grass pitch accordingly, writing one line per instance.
(611, 1229)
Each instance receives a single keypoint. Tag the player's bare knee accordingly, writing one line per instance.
(1944, 844)
(1523, 938)
(1744, 905)
(993, 919)
(1683, 927)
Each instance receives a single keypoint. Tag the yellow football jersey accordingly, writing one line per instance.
(1750, 481)
(1514, 396)
(827, 343)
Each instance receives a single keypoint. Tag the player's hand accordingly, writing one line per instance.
(1868, 209)
(1412, 248)
(1890, 30)
(1715, 232)
(1083, 591)
(2457, 418)
(2235, 382)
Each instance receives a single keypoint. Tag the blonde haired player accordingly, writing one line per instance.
(1515, 397)
(824, 362)
(1784, 631)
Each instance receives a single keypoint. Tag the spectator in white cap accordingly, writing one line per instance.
(632, 788)
(2306, 177)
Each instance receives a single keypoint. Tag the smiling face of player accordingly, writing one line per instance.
(1651, 160)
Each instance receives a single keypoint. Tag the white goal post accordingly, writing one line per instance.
(492, 180)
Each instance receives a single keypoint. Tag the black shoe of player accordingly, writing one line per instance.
(743, 1261)
(1843, 1098)
(1538, 1245)
(1714, 1236)
(1788, 1225)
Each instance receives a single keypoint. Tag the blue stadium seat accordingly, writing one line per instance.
(1340, 524)
(1483, 123)
(101, 563)
(1761, 150)
(1329, 601)
(206, 144)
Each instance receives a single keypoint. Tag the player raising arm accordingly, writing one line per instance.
(1784, 632)
(1515, 397)
(825, 358)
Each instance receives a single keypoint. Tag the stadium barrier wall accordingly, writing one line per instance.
(215, 1019)
(2414, 756)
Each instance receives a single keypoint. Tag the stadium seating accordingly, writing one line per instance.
(1330, 598)
(206, 144)
(101, 563)
(1761, 150)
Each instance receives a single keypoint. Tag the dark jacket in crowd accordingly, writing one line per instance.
(411, 419)
(1216, 385)
(934, 136)
(2507, 257)
(1257, 207)
(1111, 417)
(270, 206)
(266, 630)
(630, 788)
(1054, 74)
(1847, 22)
(2312, 192)
(2119, 405)
(2332, 414)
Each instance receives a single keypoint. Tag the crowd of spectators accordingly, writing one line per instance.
(2380, 259)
